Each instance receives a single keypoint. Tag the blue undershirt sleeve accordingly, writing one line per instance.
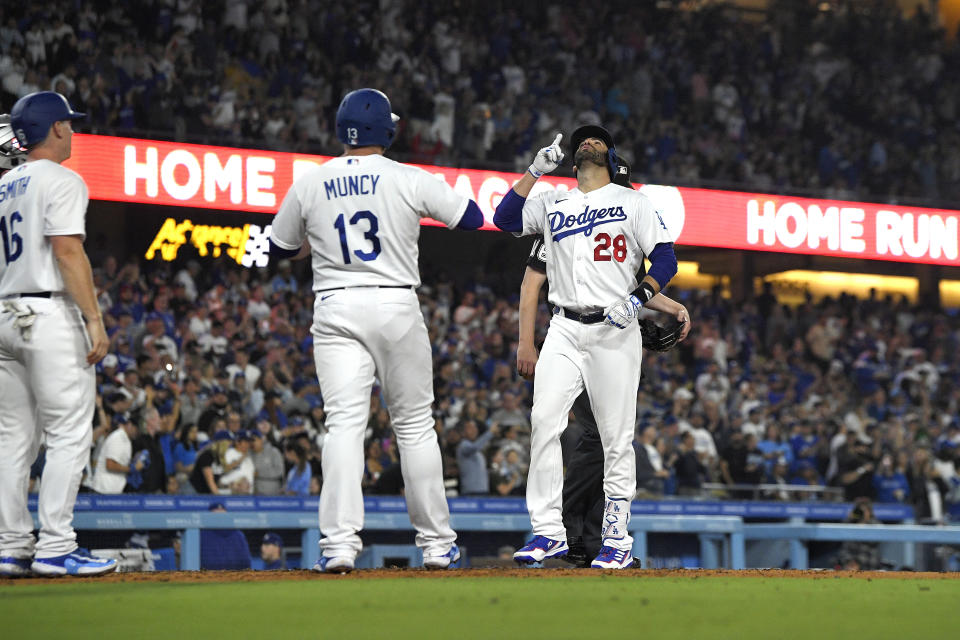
(509, 213)
(472, 217)
(279, 253)
(663, 264)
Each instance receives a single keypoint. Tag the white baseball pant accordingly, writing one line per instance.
(605, 361)
(360, 332)
(46, 391)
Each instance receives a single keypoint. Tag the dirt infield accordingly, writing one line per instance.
(195, 577)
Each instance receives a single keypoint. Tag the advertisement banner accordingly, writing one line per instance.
(249, 180)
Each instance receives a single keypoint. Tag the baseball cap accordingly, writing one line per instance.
(272, 538)
(245, 435)
(682, 393)
(223, 434)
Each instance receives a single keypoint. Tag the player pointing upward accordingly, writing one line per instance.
(46, 352)
(358, 216)
(597, 236)
(583, 497)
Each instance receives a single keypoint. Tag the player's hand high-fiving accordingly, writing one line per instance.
(548, 158)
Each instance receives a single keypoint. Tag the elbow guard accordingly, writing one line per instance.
(509, 213)
(663, 264)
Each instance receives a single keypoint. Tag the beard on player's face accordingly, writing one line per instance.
(589, 154)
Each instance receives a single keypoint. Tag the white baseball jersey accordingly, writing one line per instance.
(37, 199)
(362, 216)
(597, 242)
(46, 386)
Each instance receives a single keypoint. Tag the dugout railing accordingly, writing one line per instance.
(723, 528)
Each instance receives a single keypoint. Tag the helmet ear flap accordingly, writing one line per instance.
(612, 163)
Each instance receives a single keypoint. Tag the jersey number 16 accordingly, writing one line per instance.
(12, 242)
(370, 235)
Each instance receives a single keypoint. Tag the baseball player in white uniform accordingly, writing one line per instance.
(597, 236)
(358, 217)
(47, 348)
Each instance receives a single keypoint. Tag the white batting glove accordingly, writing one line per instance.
(548, 158)
(623, 312)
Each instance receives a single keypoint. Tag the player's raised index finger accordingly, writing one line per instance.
(556, 140)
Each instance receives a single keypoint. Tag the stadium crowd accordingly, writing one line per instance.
(209, 387)
(848, 99)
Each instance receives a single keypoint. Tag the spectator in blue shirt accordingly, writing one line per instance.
(298, 478)
(806, 475)
(185, 453)
(804, 445)
(774, 449)
(284, 280)
(890, 483)
(272, 411)
(474, 478)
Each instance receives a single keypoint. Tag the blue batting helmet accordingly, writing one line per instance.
(594, 131)
(364, 119)
(34, 114)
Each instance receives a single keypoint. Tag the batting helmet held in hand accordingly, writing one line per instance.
(34, 114)
(364, 119)
(11, 155)
(594, 131)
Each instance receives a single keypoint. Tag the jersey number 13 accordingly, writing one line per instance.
(370, 234)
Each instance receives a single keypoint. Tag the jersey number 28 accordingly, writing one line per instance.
(601, 252)
(370, 235)
(12, 242)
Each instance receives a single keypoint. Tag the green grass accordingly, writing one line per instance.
(582, 608)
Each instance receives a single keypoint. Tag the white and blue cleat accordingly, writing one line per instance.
(73, 564)
(336, 564)
(445, 561)
(612, 558)
(541, 548)
(11, 567)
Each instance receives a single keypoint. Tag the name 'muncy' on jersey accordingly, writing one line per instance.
(361, 215)
(37, 199)
(596, 241)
